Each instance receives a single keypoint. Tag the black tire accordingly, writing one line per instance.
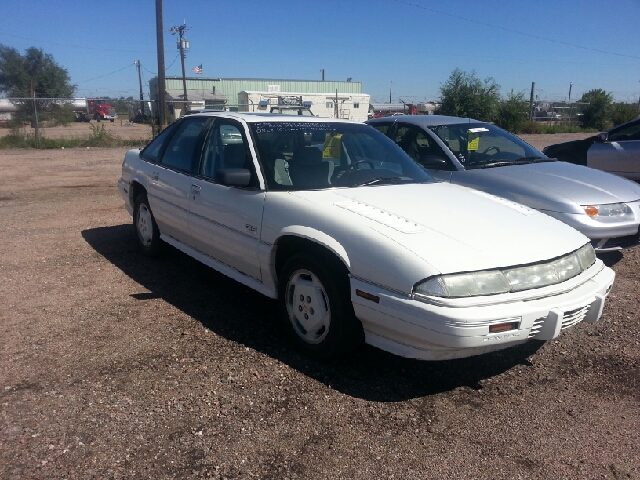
(112, 120)
(145, 226)
(316, 288)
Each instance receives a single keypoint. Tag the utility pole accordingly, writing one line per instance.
(183, 43)
(162, 99)
(141, 94)
(533, 89)
(322, 70)
(390, 92)
(570, 109)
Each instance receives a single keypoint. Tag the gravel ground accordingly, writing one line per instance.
(113, 365)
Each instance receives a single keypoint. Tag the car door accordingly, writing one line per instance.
(226, 220)
(170, 178)
(620, 154)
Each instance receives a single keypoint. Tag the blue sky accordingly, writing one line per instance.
(409, 47)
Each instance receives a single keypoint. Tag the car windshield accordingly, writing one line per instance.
(482, 145)
(319, 155)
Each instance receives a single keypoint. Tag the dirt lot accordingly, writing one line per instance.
(113, 365)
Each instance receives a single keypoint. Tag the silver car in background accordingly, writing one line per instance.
(615, 151)
(604, 207)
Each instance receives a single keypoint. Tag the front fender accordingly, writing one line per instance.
(318, 237)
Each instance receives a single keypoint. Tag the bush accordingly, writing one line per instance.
(512, 112)
(99, 138)
(530, 127)
(596, 113)
(623, 112)
(465, 95)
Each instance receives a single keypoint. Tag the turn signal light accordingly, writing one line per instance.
(503, 327)
(591, 210)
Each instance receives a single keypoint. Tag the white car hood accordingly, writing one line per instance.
(452, 228)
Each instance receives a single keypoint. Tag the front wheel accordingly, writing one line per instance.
(316, 308)
(147, 232)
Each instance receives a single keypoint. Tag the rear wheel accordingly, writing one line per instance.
(147, 232)
(316, 308)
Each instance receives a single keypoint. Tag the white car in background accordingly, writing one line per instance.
(355, 240)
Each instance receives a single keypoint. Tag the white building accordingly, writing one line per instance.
(350, 106)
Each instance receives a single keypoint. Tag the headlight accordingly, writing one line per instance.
(465, 284)
(608, 210)
(492, 282)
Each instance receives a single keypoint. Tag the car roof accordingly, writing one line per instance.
(250, 117)
(424, 120)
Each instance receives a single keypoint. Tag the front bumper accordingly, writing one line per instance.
(605, 235)
(412, 328)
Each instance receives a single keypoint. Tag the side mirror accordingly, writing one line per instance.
(233, 177)
(603, 137)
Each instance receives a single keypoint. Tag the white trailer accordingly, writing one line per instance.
(351, 106)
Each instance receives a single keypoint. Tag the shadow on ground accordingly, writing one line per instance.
(242, 315)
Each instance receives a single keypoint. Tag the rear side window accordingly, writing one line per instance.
(180, 150)
(382, 128)
(152, 151)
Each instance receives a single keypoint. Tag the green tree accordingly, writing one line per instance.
(465, 95)
(513, 112)
(34, 74)
(35, 71)
(596, 113)
(621, 112)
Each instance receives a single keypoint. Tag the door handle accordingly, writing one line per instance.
(155, 175)
(195, 190)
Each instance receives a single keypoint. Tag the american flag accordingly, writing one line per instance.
(197, 69)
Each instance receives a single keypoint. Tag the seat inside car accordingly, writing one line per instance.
(307, 169)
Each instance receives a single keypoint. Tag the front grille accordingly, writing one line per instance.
(569, 319)
(537, 325)
(623, 242)
(572, 317)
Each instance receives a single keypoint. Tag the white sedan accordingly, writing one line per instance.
(355, 240)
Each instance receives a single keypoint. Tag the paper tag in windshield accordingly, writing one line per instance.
(331, 147)
(472, 144)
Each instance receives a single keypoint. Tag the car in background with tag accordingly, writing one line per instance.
(616, 151)
(479, 155)
(355, 241)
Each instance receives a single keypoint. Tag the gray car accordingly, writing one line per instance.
(604, 207)
(616, 151)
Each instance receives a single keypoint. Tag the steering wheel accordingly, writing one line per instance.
(355, 164)
(486, 152)
(342, 171)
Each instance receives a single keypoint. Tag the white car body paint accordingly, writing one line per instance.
(391, 237)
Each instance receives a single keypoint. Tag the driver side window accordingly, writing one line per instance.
(421, 147)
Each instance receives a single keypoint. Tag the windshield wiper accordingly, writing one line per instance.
(487, 165)
(534, 160)
(379, 181)
(503, 163)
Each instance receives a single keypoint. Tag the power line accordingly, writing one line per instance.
(515, 31)
(106, 74)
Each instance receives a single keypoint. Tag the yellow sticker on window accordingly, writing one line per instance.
(332, 146)
(473, 143)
